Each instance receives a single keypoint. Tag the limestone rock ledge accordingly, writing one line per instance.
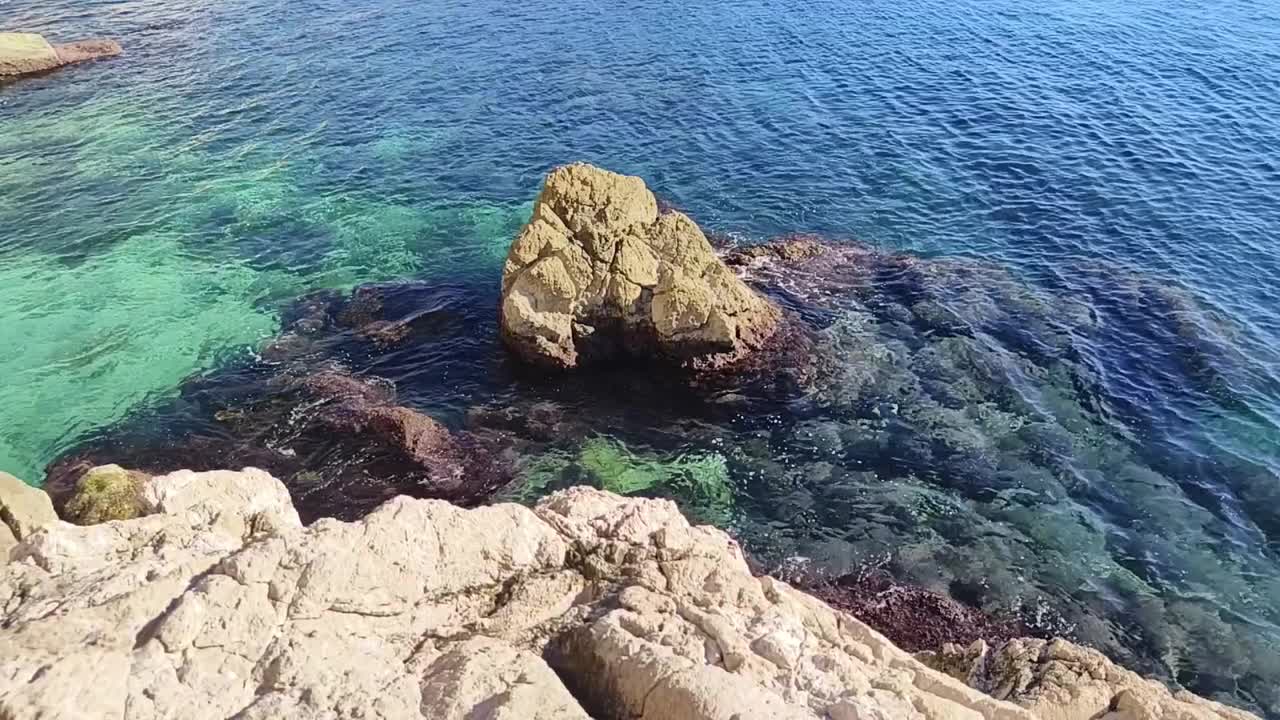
(599, 272)
(220, 604)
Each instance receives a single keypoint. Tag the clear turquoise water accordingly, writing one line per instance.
(157, 212)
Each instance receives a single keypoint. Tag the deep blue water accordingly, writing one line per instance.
(1121, 159)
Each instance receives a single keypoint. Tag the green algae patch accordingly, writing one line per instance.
(105, 493)
(700, 482)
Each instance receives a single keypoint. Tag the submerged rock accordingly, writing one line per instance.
(29, 53)
(362, 411)
(912, 617)
(599, 272)
(343, 443)
(1057, 679)
(220, 603)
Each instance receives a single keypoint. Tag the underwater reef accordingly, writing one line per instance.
(936, 424)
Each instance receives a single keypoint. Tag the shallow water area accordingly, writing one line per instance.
(1063, 397)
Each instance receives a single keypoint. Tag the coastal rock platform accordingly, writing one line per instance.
(219, 603)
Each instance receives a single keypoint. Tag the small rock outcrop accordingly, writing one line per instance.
(1058, 680)
(106, 492)
(218, 603)
(364, 409)
(599, 272)
(29, 53)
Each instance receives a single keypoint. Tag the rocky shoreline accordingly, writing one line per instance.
(218, 603)
(621, 318)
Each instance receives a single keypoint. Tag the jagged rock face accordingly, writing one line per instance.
(1057, 680)
(220, 604)
(599, 272)
(23, 509)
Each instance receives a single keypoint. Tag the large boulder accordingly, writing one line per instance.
(599, 272)
(29, 53)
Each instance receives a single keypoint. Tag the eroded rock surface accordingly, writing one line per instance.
(220, 604)
(599, 272)
(23, 510)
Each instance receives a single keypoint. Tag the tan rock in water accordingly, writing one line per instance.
(599, 272)
(28, 53)
(85, 50)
